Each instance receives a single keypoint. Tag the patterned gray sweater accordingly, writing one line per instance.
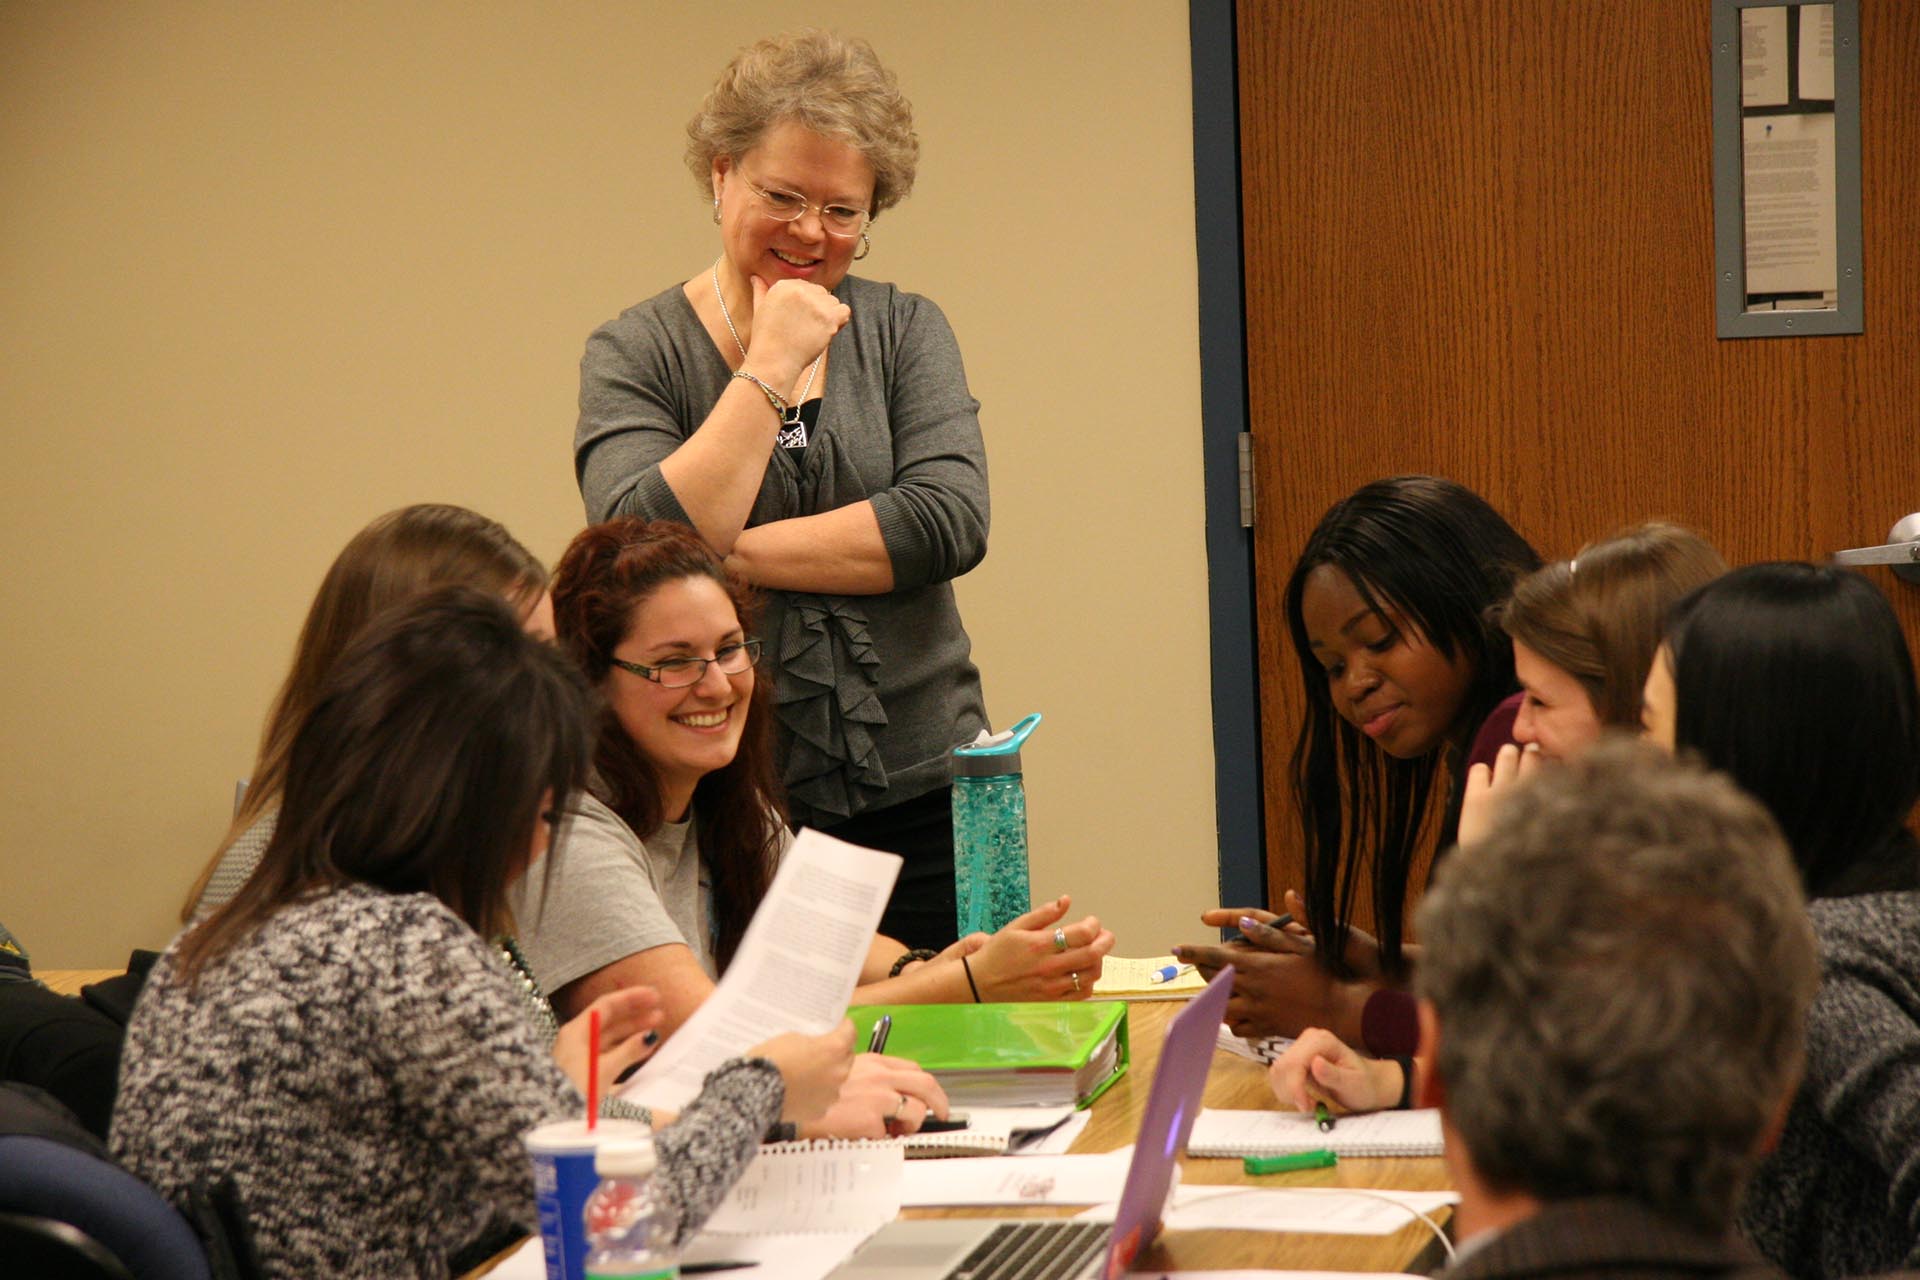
(363, 1069)
(1840, 1195)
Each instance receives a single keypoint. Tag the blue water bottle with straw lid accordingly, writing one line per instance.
(990, 829)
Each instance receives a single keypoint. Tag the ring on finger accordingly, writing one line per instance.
(900, 1109)
(1059, 939)
(1075, 975)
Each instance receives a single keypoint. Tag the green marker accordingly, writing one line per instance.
(1321, 1159)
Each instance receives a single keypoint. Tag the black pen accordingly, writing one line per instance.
(877, 1041)
(952, 1124)
(723, 1264)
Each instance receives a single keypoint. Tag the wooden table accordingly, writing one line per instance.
(1242, 1084)
(1233, 1082)
(69, 981)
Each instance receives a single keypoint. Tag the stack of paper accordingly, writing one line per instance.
(1122, 978)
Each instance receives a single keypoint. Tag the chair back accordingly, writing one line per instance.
(112, 1219)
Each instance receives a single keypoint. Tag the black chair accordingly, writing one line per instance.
(88, 1218)
(49, 1249)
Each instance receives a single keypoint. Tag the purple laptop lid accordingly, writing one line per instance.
(1172, 1104)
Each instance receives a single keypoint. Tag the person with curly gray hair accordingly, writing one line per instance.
(1612, 999)
(816, 430)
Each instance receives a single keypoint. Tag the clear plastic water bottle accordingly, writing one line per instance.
(630, 1230)
(990, 830)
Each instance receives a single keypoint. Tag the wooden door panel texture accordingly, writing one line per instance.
(1478, 241)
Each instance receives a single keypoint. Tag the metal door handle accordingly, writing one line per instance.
(1901, 550)
(1891, 553)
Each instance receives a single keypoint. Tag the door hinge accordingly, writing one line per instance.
(1246, 480)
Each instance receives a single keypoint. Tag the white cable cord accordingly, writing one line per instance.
(1438, 1232)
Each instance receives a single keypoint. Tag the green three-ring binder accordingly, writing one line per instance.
(1009, 1054)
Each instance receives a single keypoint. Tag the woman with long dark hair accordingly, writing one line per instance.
(1796, 680)
(1390, 607)
(338, 1041)
(1584, 633)
(670, 854)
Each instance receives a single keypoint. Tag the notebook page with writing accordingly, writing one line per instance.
(800, 1187)
(1273, 1133)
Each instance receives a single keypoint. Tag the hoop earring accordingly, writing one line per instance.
(866, 247)
(716, 211)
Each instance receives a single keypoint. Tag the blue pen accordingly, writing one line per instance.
(1168, 972)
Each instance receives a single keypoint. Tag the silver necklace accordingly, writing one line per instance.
(793, 429)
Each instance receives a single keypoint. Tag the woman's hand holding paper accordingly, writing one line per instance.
(628, 1018)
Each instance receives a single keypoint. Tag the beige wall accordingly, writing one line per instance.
(269, 270)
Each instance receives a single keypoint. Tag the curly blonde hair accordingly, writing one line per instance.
(826, 82)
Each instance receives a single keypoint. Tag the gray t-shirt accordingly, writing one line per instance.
(236, 864)
(603, 895)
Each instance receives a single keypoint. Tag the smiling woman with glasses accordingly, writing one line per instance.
(669, 853)
(817, 431)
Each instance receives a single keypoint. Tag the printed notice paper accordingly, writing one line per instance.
(1763, 57)
(795, 969)
(1816, 51)
(1790, 210)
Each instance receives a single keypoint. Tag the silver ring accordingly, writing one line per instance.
(1059, 939)
(899, 1110)
(1075, 975)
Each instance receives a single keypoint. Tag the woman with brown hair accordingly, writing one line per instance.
(400, 555)
(338, 1042)
(1585, 630)
(666, 860)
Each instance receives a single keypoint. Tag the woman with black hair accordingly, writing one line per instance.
(339, 1043)
(1390, 610)
(1796, 680)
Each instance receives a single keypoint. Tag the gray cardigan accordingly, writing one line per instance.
(1840, 1195)
(872, 692)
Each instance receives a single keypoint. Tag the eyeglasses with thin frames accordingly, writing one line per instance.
(679, 673)
(788, 206)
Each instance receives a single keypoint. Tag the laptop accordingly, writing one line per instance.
(1062, 1249)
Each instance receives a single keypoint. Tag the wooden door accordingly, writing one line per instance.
(1479, 243)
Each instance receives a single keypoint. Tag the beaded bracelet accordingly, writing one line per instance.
(907, 958)
(774, 398)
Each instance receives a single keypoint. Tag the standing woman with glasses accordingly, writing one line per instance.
(816, 429)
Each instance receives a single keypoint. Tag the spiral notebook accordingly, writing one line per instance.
(1275, 1133)
(990, 1131)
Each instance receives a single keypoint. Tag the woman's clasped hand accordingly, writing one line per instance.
(793, 320)
(1025, 959)
(1280, 984)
